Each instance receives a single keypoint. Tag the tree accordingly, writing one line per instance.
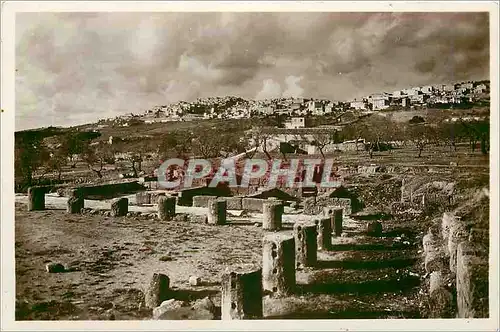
(96, 157)
(30, 154)
(321, 140)
(421, 135)
(478, 131)
(177, 143)
(260, 137)
(57, 160)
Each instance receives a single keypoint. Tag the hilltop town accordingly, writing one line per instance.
(441, 96)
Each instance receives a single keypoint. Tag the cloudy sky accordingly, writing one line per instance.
(74, 68)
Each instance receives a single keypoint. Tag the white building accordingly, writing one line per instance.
(295, 122)
(358, 104)
(380, 103)
(316, 107)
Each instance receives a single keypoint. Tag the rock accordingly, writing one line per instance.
(205, 307)
(194, 281)
(55, 268)
(374, 228)
(257, 224)
(181, 217)
(166, 306)
(176, 310)
(166, 258)
(199, 219)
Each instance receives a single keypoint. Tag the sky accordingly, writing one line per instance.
(75, 68)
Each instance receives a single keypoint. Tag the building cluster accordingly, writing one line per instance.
(230, 107)
(441, 94)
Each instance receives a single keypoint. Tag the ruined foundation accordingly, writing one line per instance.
(272, 215)
(217, 210)
(305, 244)
(278, 264)
(241, 293)
(324, 230)
(157, 291)
(119, 207)
(36, 198)
(166, 207)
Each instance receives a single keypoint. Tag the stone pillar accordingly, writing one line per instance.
(458, 233)
(166, 207)
(472, 281)
(402, 190)
(272, 214)
(242, 293)
(157, 291)
(278, 264)
(440, 298)
(119, 207)
(36, 198)
(306, 250)
(217, 209)
(337, 221)
(324, 230)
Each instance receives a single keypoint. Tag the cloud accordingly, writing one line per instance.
(114, 63)
(293, 88)
(270, 89)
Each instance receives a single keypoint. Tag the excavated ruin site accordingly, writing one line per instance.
(392, 242)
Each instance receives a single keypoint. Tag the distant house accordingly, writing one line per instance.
(380, 102)
(398, 93)
(358, 104)
(481, 88)
(316, 107)
(449, 87)
(467, 86)
(295, 123)
(428, 89)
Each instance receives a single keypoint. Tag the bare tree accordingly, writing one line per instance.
(421, 135)
(321, 140)
(97, 157)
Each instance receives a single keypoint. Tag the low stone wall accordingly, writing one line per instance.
(148, 197)
(202, 201)
(253, 204)
(106, 191)
(234, 203)
(315, 204)
(185, 197)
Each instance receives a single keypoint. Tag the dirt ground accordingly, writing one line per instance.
(111, 260)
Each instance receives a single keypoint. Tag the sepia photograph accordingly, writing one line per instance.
(223, 162)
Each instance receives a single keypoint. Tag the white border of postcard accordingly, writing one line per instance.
(7, 121)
